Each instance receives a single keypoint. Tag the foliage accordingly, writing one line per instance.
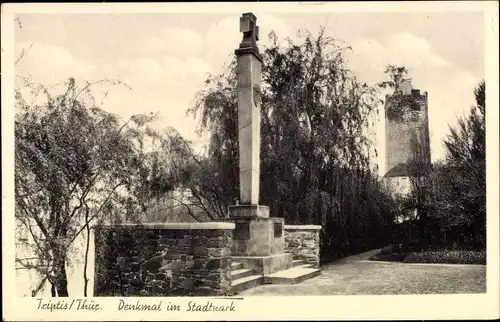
(399, 107)
(393, 253)
(388, 256)
(447, 257)
(466, 161)
(402, 108)
(315, 151)
(77, 166)
(397, 75)
(459, 183)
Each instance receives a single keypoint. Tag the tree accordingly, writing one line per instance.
(214, 184)
(76, 166)
(198, 191)
(465, 159)
(315, 151)
(397, 75)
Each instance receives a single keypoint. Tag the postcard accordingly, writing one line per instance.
(250, 161)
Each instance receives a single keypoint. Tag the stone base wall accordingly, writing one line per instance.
(257, 236)
(303, 242)
(163, 260)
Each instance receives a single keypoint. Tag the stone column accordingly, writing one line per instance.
(249, 76)
(258, 239)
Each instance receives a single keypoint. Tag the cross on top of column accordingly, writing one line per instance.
(250, 30)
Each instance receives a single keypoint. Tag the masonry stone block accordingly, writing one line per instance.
(302, 241)
(179, 260)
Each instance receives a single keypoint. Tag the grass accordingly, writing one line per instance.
(440, 256)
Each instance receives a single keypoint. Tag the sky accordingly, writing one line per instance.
(165, 58)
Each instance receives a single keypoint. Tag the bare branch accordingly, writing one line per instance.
(97, 212)
(23, 53)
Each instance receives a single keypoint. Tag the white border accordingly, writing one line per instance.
(387, 307)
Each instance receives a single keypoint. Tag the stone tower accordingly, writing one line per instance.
(406, 117)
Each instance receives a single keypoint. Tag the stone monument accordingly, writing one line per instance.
(258, 239)
(213, 258)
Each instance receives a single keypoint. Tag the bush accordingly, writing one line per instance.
(387, 250)
(399, 253)
(391, 257)
(447, 257)
(391, 253)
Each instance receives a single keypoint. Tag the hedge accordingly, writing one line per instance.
(395, 254)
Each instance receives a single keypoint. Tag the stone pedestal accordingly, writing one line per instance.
(255, 233)
(258, 240)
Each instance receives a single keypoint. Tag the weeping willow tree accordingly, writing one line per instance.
(77, 167)
(315, 148)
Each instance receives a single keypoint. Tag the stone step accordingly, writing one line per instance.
(292, 275)
(245, 283)
(236, 265)
(298, 262)
(305, 266)
(242, 272)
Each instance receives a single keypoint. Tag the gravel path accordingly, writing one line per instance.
(355, 275)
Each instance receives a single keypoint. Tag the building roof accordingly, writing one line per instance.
(399, 170)
(402, 170)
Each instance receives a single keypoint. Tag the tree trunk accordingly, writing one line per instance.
(53, 289)
(61, 279)
(87, 246)
(85, 277)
